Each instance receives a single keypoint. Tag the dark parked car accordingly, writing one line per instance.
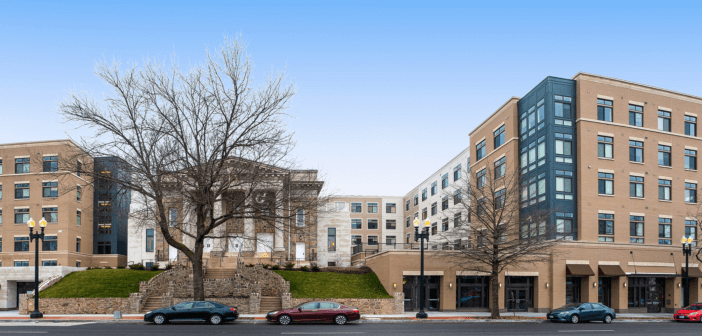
(578, 312)
(315, 311)
(691, 313)
(213, 312)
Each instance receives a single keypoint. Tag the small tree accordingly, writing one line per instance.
(495, 233)
(188, 139)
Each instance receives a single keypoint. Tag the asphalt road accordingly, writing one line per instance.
(432, 329)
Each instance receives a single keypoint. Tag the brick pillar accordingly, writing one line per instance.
(134, 303)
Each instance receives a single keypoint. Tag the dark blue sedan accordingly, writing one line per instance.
(213, 312)
(577, 312)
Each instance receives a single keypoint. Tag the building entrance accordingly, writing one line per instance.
(573, 289)
(432, 292)
(646, 294)
(604, 292)
(23, 288)
(519, 293)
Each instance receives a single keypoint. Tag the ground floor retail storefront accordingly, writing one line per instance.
(626, 278)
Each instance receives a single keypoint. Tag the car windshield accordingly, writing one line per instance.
(570, 306)
(693, 308)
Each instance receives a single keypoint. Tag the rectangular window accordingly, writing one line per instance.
(424, 192)
(664, 155)
(50, 214)
(433, 209)
(0, 222)
(457, 220)
(21, 190)
(499, 136)
(482, 179)
(564, 147)
(48, 263)
(22, 166)
(664, 231)
(500, 169)
(49, 189)
(456, 173)
(172, 217)
(79, 192)
(604, 147)
(372, 224)
(480, 150)
(636, 186)
(21, 263)
(564, 226)
(356, 224)
(691, 125)
(21, 216)
(433, 228)
(49, 243)
(79, 168)
(357, 207)
(104, 228)
(331, 239)
(636, 151)
(604, 110)
(500, 199)
(372, 240)
(50, 164)
(372, 207)
(390, 208)
(21, 244)
(407, 205)
(564, 184)
(636, 229)
(416, 200)
(635, 115)
(77, 244)
(691, 231)
(690, 159)
(407, 222)
(444, 203)
(0, 191)
(457, 197)
(356, 240)
(664, 187)
(606, 227)
(149, 240)
(300, 217)
(664, 121)
(444, 224)
(424, 213)
(0, 166)
(562, 109)
(390, 224)
(390, 240)
(104, 247)
(444, 181)
(605, 183)
(690, 192)
(78, 217)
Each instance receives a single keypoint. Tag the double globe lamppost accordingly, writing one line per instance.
(36, 237)
(421, 237)
(687, 251)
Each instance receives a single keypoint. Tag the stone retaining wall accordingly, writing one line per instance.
(366, 306)
(75, 305)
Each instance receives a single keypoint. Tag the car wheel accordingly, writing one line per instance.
(574, 318)
(340, 319)
(284, 319)
(215, 319)
(160, 319)
(607, 319)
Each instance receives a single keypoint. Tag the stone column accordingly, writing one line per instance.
(249, 231)
(279, 232)
(220, 244)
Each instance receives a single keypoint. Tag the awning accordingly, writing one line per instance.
(580, 269)
(694, 272)
(654, 271)
(612, 270)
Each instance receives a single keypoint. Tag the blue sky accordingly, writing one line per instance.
(386, 93)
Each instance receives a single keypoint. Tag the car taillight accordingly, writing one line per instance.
(355, 310)
(232, 309)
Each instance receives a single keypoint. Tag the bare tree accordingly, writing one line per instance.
(203, 141)
(496, 233)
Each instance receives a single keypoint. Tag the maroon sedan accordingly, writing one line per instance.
(315, 311)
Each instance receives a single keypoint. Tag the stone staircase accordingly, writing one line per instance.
(153, 302)
(270, 303)
(220, 273)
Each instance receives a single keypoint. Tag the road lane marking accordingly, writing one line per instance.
(583, 330)
(24, 332)
(323, 333)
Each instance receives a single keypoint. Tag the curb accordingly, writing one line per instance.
(371, 320)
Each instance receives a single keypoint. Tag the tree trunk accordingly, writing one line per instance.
(198, 274)
(495, 311)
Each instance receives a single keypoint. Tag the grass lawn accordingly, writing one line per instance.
(98, 283)
(334, 285)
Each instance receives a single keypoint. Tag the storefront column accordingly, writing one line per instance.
(695, 291)
(620, 294)
(588, 292)
(448, 291)
(558, 285)
(673, 295)
(500, 292)
(541, 293)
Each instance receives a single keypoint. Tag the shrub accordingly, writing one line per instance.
(266, 266)
(154, 268)
(136, 267)
(169, 266)
(304, 269)
(275, 267)
(120, 267)
(315, 268)
(108, 267)
(289, 266)
(250, 265)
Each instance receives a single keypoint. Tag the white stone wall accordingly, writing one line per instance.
(9, 276)
(341, 221)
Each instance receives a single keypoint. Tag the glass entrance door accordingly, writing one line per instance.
(604, 293)
(517, 299)
(432, 294)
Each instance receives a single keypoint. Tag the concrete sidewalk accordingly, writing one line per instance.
(14, 316)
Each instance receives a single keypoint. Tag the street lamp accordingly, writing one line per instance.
(421, 237)
(35, 237)
(687, 250)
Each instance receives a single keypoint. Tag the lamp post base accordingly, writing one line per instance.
(422, 314)
(36, 314)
